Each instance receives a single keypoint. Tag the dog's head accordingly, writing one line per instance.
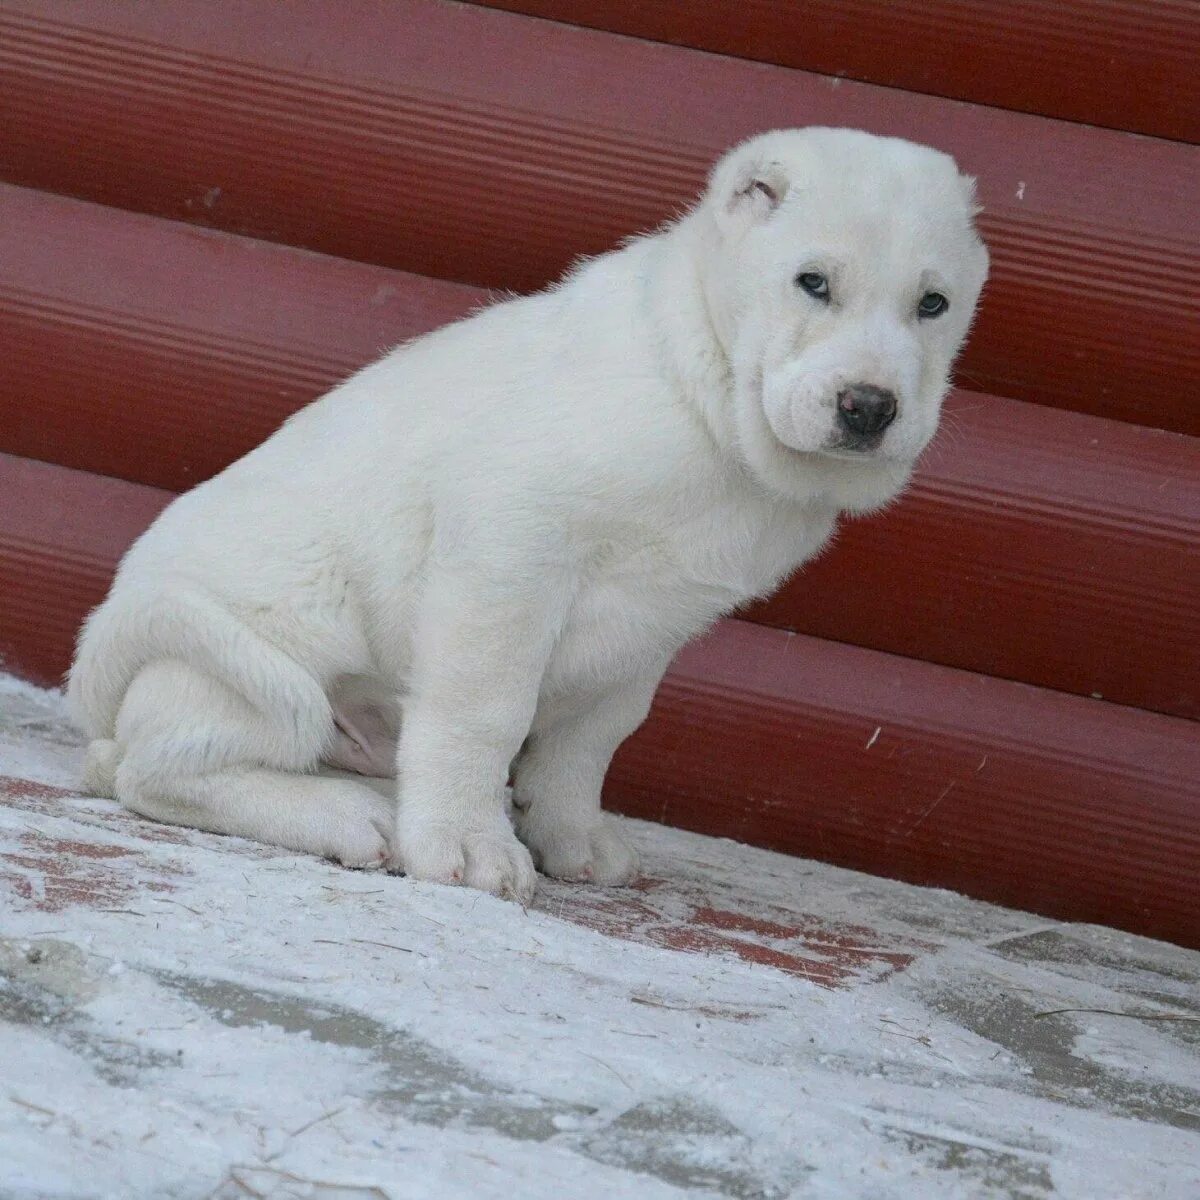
(844, 273)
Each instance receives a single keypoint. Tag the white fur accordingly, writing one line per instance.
(499, 534)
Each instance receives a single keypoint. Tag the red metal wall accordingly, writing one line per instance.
(1033, 541)
(474, 145)
(1126, 65)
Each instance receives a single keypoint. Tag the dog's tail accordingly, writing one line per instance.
(118, 641)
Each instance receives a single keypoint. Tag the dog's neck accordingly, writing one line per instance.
(694, 347)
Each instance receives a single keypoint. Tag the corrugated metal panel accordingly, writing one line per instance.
(61, 534)
(1044, 546)
(1033, 541)
(470, 144)
(154, 351)
(1070, 807)
(1127, 64)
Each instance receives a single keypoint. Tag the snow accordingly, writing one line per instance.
(185, 1015)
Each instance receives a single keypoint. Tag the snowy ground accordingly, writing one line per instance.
(195, 1016)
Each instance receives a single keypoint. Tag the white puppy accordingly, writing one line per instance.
(490, 543)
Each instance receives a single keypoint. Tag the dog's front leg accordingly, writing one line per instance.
(481, 650)
(558, 778)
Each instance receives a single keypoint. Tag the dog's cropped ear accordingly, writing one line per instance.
(746, 187)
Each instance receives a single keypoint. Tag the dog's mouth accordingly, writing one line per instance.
(855, 445)
(862, 452)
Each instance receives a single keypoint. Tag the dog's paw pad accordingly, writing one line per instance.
(490, 860)
(599, 854)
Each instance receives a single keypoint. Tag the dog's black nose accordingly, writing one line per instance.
(864, 409)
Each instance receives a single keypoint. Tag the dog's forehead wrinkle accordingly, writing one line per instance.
(872, 238)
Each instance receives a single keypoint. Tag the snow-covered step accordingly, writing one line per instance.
(192, 1015)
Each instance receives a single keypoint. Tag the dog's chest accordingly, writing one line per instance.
(649, 591)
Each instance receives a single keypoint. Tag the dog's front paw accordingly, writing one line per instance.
(489, 859)
(597, 853)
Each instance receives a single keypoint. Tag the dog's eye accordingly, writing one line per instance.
(816, 285)
(933, 304)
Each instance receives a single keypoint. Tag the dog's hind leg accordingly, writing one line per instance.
(191, 751)
(332, 818)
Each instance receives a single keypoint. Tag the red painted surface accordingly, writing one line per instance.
(1129, 66)
(159, 352)
(1036, 545)
(61, 534)
(74, 874)
(470, 144)
(1074, 808)
(674, 915)
(1032, 543)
